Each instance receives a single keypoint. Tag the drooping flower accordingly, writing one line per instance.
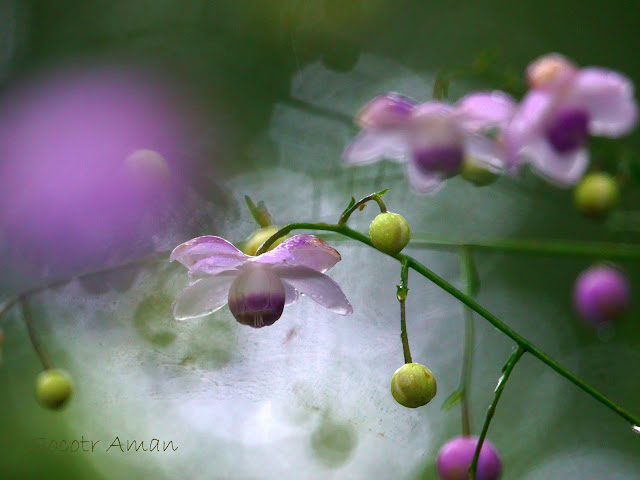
(434, 139)
(256, 288)
(565, 105)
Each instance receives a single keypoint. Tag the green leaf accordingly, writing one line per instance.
(452, 400)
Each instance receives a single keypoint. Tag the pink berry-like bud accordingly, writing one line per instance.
(601, 294)
(549, 70)
(455, 457)
(257, 297)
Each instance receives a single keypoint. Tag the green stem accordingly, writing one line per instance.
(376, 197)
(603, 250)
(609, 250)
(468, 269)
(469, 302)
(403, 289)
(28, 321)
(506, 371)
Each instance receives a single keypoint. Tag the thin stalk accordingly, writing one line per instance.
(403, 289)
(506, 372)
(376, 197)
(525, 344)
(468, 269)
(28, 321)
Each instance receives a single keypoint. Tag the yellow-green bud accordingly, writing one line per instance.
(53, 388)
(257, 238)
(389, 233)
(413, 385)
(474, 173)
(596, 194)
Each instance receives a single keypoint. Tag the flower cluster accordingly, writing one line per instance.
(257, 288)
(487, 133)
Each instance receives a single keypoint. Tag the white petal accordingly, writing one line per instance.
(290, 293)
(204, 296)
(486, 152)
(371, 146)
(608, 96)
(424, 183)
(562, 170)
(306, 250)
(484, 110)
(218, 250)
(322, 289)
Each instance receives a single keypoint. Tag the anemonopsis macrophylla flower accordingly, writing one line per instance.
(256, 288)
(565, 105)
(434, 138)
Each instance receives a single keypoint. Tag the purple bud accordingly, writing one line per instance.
(439, 158)
(601, 294)
(257, 297)
(456, 455)
(568, 129)
(388, 110)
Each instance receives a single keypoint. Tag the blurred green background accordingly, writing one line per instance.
(273, 85)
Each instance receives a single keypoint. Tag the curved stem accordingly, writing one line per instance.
(403, 289)
(376, 197)
(525, 344)
(28, 321)
(506, 371)
(11, 301)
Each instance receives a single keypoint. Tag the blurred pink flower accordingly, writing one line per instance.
(566, 105)
(433, 138)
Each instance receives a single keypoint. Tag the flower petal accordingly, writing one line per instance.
(383, 111)
(424, 183)
(371, 146)
(217, 250)
(486, 152)
(290, 293)
(527, 123)
(318, 286)
(608, 96)
(563, 170)
(306, 250)
(484, 110)
(204, 296)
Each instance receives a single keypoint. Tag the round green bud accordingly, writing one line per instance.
(389, 233)
(53, 388)
(413, 385)
(596, 194)
(257, 238)
(477, 174)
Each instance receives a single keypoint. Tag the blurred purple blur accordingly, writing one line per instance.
(87, 163)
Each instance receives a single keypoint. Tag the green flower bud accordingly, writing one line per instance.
(477, 174)
(413, 385)
(596, 194)
(53, 388)
(257, 238)
(389, 232)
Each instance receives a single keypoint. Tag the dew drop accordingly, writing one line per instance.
(636, 429)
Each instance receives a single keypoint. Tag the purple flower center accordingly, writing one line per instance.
(257, 297)
(568, 129)
(440, 158)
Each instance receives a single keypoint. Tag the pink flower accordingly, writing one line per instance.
(256, 288)
(564, 107)
(433, 138)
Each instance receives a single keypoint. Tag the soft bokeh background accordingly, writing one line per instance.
(256, 99)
